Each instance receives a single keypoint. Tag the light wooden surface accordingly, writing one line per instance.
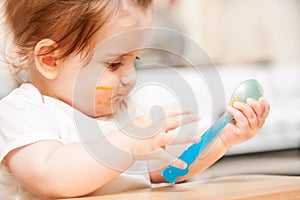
(231, 187)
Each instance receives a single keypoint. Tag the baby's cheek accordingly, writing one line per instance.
(103, 94)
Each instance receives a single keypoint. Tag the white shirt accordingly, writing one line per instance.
(26, 117)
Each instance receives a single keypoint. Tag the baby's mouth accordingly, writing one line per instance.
(123, 91)
(112, 99)
(118, 94)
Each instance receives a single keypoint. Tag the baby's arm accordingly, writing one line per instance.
(249, 118)
(54, 170)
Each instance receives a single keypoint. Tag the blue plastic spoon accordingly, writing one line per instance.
(248, 89)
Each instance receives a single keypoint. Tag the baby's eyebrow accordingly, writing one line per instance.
(115, 54)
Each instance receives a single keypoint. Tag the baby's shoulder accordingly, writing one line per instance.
(24, 109)
(25, 94)
(25, 99)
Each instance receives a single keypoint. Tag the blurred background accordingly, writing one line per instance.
(243, 39)
(237, 31)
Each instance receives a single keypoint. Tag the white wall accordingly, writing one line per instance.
(242, 31)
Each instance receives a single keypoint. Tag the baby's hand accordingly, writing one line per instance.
(248, 119)
(147, 137)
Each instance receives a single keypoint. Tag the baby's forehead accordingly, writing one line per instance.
(134, 18)
(121, 43)
(124, 21)
(126, 32)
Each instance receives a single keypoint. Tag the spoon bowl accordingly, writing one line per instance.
(247, 89)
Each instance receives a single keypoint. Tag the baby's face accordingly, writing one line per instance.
(97, 86)
(116, 78)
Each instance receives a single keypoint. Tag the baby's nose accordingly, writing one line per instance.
(129, 78)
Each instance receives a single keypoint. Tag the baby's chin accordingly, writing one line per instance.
(106, 110)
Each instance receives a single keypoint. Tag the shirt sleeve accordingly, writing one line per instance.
(24, 120)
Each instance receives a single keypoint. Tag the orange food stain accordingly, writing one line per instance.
(104, 88)
(99, 102)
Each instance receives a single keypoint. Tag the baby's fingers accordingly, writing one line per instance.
(240, 118)
(180, 120)
(257, 106)
(266, 107)
(166, 157)
(261, 108)
(176, 112)
(249, 113)
(186, 137)
(183, 139)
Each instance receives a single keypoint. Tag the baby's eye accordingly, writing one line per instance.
(114, 65)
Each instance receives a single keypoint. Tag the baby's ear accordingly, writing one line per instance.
(45, 58)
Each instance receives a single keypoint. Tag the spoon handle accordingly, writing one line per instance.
(171, 173)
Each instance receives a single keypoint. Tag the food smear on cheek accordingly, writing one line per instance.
(105, 88)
